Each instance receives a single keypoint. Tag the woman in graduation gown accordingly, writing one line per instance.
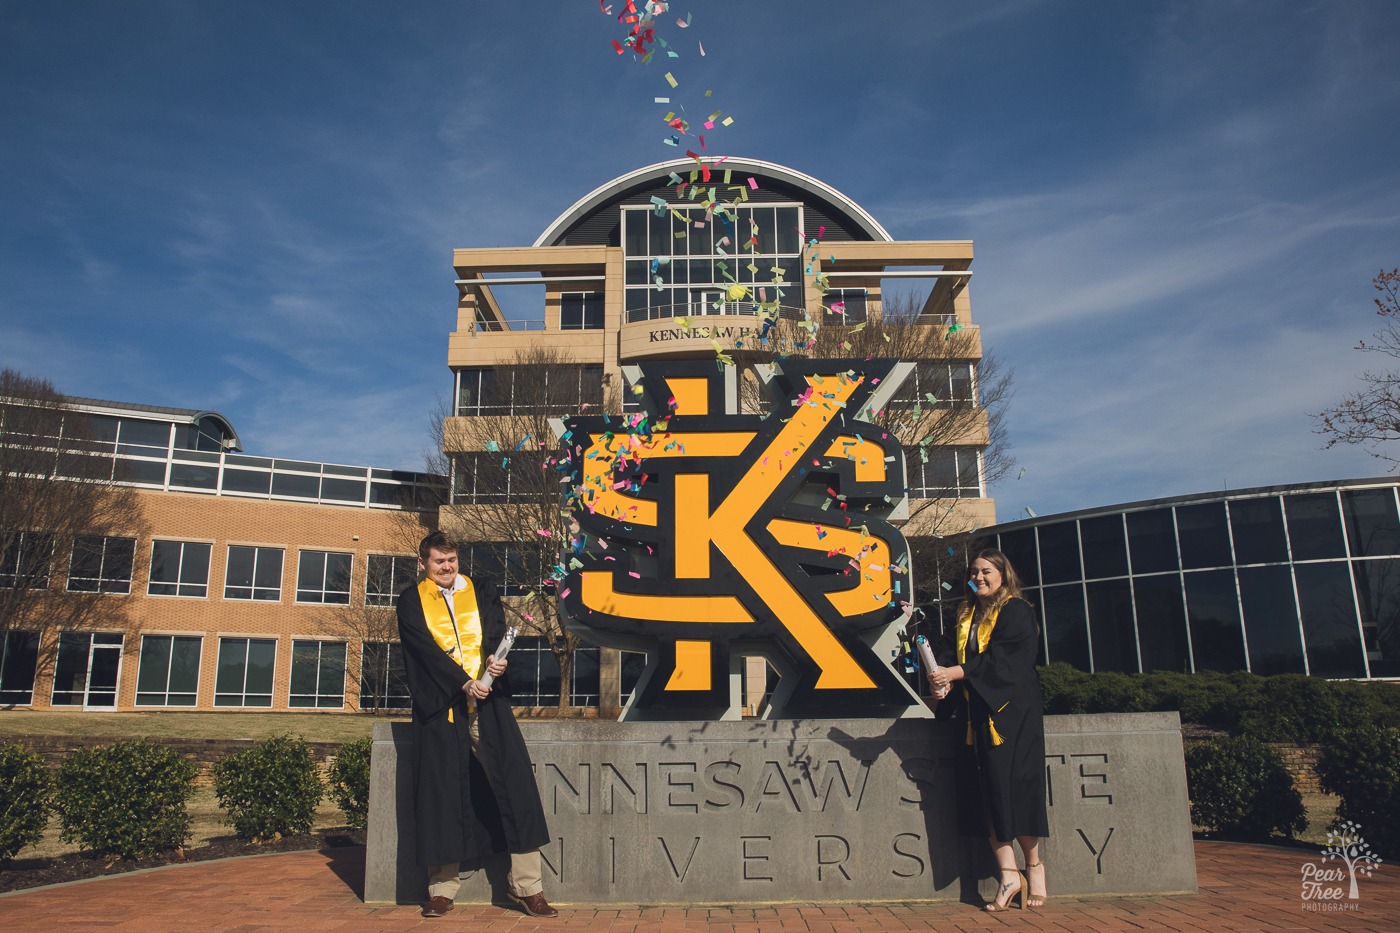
(991, 675)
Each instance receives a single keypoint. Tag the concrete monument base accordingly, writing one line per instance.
(806, 811)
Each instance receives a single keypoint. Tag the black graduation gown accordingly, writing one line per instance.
(1005, 781)
(458, 813)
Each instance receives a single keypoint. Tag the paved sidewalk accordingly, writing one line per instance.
(1241, 888)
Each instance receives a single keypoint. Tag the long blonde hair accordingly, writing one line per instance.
(1010, 583)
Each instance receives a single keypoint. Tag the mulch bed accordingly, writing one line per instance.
(31, 873)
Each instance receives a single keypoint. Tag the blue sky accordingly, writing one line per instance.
(1177, 208)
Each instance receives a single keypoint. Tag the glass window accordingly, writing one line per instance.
(534, 673)
(318, 675)
(1257, 528)
(169, 670)
(1378, 590)
(179, 568)
(1204, 536)
(1066, 631)
(1330, 629)
(632, 665)
(87, 669)
(1213, 607)
(101, 564)
(1059, 552)
(247, 482)
(388, 576)
(191, 476)
(141, 472)
(1161, 623)
(1371, 522)
(943, 472)
(245, 672)
(1270, 620)
(847, 306)
(253, 573)
(25, 559)
(1111, 630)
(296, 485)
(342, 490)
(19, 659)
(383, 681)
(1019, 548)
(581, 311)
(145, 434)
(323, 577)
(1314, 526)
(1152, 541)
(1105, 548)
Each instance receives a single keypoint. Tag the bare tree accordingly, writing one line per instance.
(1371, 416)
(57, 492)
(506, 492)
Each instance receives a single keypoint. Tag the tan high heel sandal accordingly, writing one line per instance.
(1005, 895)
(1032, 898)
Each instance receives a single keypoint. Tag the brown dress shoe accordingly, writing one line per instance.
(437, 906)
(535, 905)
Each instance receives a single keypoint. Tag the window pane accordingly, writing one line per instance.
(19, 656)
(1161, 623)
(1330, 628)
(71, 669)
(296, 485)
(1257, 528)
(233, 658)
(261, 654)
(154, 671)
(1204, 535)
(184, 669)
(1217, 640)
(1378, 588)
(247, 482)
(1270, 620)
(1066, 632)
(1152, 541)
(1059, 552)
(1105, 553)
(1371, 522)
(1111, 625)
(1019, 548)
(1314, 526)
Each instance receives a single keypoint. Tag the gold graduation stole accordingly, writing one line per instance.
(984, 635)
(458, 632)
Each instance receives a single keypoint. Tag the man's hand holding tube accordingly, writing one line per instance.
(478, 690)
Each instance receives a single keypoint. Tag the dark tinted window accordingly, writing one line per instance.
(1371, 523)
(1378, 590)
(1270, 620)
(1065, 632)
(1257, 526)
(1152, 541)
(1059, 553)
(1019, 548)
(1204, 535)
(1213, 606)
(1314, 526)
(1330, 629)
(1105, 554)
(1161, 623)
(1111, 625)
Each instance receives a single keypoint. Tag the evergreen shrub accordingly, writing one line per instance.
(1362, 766)
(271, 790)
(1239, 787)
(349, 781)
(25, 793)
(126, 800)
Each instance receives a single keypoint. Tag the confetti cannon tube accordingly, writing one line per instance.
(502, 649)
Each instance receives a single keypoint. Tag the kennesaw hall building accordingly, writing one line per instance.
(267, 583)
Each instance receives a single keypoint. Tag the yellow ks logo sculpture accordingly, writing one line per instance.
(704, 536)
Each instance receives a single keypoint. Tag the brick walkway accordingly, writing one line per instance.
(1241, 888)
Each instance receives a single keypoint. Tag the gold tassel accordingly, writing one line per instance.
(996, 736)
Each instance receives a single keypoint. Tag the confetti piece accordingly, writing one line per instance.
(753, 182)
(671, 80)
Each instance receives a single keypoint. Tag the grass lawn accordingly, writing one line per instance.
(314, 727)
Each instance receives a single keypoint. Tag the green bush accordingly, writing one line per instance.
(25, 793)
(349, 781)
(270, 790)
(125, 800)
(1239, 787)
(1362, 766)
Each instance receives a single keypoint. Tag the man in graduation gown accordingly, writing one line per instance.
(474, 790)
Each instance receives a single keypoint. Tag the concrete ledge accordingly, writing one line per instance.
(806, 811)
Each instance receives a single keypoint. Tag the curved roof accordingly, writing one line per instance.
(623, 184)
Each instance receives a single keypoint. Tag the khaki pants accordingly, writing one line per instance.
(525, 877)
